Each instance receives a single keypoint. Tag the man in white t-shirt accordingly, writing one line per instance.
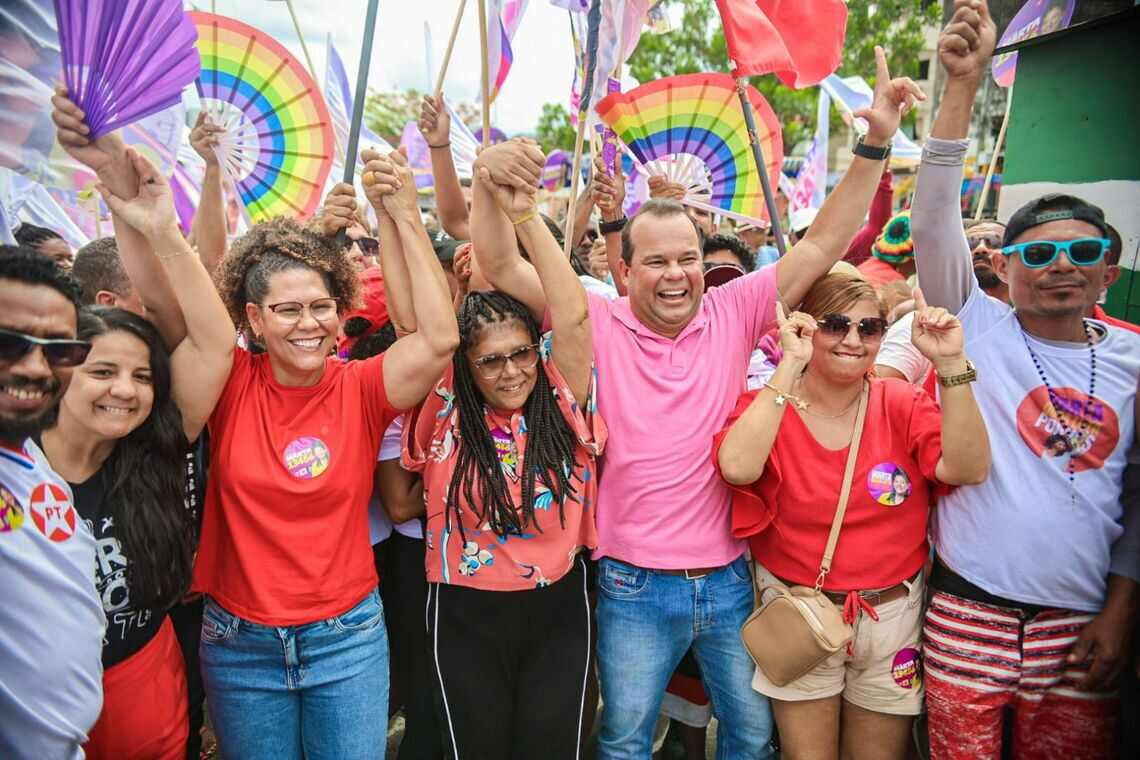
(51, 617)
(1032, 604)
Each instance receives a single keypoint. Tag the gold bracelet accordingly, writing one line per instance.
(782, 398)
(526, 218)
(176, 254)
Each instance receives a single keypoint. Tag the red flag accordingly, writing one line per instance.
(800, 42)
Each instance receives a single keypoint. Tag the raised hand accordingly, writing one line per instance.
(893, 98)
(938, 335)
(796, 331)
(661, 187)
(204, 138)
(607, 193)
(151, 209)
(339, 209)
(106, 156)
(434, 121)
(517, 203)
(517, 162)
(967, 43)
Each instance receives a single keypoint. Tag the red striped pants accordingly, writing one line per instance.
(982, 660)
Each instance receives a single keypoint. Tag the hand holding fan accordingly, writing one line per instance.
(125, 59)
(692, 129)
(278, 144)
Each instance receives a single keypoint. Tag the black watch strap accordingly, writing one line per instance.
(617, 225)
(867, 151)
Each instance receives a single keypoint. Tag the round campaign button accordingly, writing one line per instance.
(888, 484)
(307, 458)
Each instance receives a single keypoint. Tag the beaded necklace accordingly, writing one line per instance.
(1072, 438)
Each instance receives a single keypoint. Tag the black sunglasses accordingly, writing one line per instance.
(369, 246)
(838, 325)
(58, 352)
(992, 242)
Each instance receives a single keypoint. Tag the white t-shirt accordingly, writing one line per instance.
(1026, 534)
(51, 617)
(379, 524)
(897, 352)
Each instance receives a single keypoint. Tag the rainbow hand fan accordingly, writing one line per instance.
(278, 145)
(125, 59)
(691, 128)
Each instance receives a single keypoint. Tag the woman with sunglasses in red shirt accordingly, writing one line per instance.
(785, 452)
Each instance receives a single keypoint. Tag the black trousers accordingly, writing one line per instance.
(512, 668)
(403, 588)
(187, 621)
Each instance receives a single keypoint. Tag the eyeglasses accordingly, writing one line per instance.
(1037, 254)
(58, 352)
(838, 325)
(493, 365)
(290, 312)
(369, 246)
(986, 241)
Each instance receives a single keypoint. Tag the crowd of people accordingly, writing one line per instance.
(333, 469)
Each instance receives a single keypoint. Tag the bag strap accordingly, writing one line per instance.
(845, 491)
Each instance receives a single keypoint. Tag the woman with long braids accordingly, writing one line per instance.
(507, 445)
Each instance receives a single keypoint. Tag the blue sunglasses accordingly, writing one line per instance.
(1037, 254)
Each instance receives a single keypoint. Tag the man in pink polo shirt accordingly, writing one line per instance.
(671, 363)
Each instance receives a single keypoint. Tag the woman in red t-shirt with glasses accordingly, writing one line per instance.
(785, 452)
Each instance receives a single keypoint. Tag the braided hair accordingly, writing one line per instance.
(550, 443)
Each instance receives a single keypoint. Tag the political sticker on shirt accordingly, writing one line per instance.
(888, 483)
(905, 668)
(1069, 425)
(11, 513)
(52, 511)
(307, 458)
(507, 451)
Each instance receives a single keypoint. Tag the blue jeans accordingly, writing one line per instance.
(310, 691)
(646, 622)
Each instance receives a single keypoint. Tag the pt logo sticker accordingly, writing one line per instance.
(52, 512)
(888, 483)
(307, 458)
(905, 668)
(11, 513)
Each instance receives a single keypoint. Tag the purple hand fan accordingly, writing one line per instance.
(125, 59)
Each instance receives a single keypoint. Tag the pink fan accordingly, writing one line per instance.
(125, 59)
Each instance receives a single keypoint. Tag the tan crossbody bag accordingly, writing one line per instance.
(799, 627)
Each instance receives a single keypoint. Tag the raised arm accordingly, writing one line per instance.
(860, 248)
(208, 231)
(938, 335)
(609, 197)
(495, 246)
(435, 126)
(107, 157)
(744, 453)
(380, 179)
(944, 266)
(416, 361)
(572, 348)
(201, 362)
(843, 211)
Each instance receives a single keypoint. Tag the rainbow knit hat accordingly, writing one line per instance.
(894, 245)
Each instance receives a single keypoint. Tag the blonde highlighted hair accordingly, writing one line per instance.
(836, 292)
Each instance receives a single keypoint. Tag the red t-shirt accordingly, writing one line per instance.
(878, 272)
(285, 531)
(787, 513)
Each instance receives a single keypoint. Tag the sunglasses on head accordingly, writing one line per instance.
(986, 241)
(58, 352)
(838, 325)
(1037, 254)
(369, 246)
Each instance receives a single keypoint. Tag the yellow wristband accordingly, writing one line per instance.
(525, 218)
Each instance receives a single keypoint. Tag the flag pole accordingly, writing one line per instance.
(761, 166)
(589, 65)
(993, 159)
(486, 75)
(301, 37)
(451, 46)
(358, 100)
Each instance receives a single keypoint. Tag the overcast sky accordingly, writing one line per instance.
(543, 52)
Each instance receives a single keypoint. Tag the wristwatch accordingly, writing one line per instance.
(617, 225)
(969, 376)
(867, 151)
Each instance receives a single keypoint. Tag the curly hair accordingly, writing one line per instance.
(276, 246)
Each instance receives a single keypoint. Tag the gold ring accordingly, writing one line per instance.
(368, 178)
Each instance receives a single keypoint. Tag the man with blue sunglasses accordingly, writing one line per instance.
(1034, 595)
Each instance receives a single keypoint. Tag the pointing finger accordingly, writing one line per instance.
(919, 299)
(883, 74)
(781, 317)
